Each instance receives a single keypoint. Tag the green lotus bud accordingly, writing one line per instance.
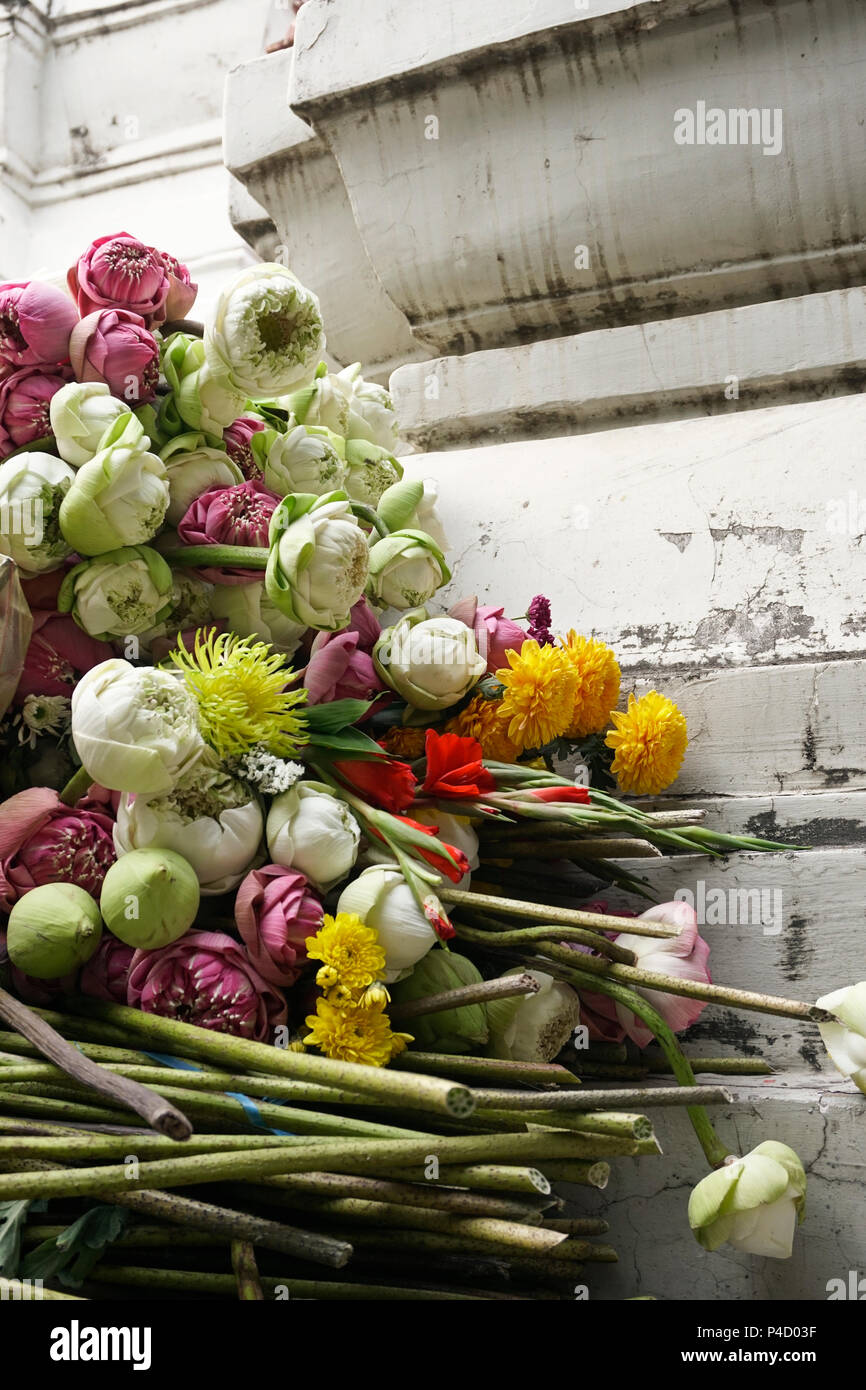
(432, 662)
(300, 460)
(121, 592)
(754, 1204)
(453, 1030)
(399, 502)
(406, 569)
(53, 930)
(149, 898)
(372, 470)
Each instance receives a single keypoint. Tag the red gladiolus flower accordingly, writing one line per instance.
(432, 857)
(383, 782)
(578, 794)
(455, 767)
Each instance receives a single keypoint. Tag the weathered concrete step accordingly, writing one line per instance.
(646, 1200)
(724, 541)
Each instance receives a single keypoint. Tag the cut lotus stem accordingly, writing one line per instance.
(57, 1109)
(480, 993)
(527, 936)
(563, 1255)
(597, 1100)
(483, 1177)
(306, 1190)
(560, 916)
(201, 1282)
(246, 1272)
(260, 1165)
(76, 1146)
(236, 1225)
(488, 1230)
(438, 1095)
(579, 1225)
(486, 1069)
(611, 1127)
(582, 1174)
(722, 1066)
(583, 847)
(131, 1095)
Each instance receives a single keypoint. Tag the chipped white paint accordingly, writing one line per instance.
(514, 173)
(111, 119)
(288, 168)
(716, 364)
(695, 542)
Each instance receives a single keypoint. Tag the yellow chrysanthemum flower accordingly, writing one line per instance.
(404, 742)
(240, 689)
(352, 1033)
(349, 951)
(649, 741)
(482, 720)
(598, 678)
(538, 703)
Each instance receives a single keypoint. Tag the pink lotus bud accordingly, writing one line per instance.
(236, 438)
(363, 620)
(494, 634)
(120, 272)
(182, 289)
(44, 841)
(113, 346)
(106, 974)
(276, 912)
(339, 670)
(685, 956)
(238, 515)
(59, 652)
(24, 400)
(35, 323)
(206, 978)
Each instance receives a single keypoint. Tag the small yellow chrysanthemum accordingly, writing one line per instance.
(404, 742)
(349, 951)
(598, 678)
(351, 1033)
(240, 688)
(538, 703)
(649, 742)
(482, 720)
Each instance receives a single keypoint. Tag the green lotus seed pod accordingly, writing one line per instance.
(149, 898)
(52, 930)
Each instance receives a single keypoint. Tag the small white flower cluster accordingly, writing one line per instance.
(266, 771)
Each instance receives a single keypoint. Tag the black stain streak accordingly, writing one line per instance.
(797, 950)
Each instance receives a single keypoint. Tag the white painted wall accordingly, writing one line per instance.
(111, 119)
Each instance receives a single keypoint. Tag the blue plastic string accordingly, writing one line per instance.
(253, 1114)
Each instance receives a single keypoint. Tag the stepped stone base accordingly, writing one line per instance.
(646, 1200)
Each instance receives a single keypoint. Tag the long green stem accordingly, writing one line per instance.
(561, 916)
(248, 557)
(246, 1272)
(716, 1152)
(349, 1156)
(166, 1034)
(77, 786)
(196, 1282)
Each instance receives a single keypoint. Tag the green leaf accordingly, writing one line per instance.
(13, 1215)
(73, 1253)
(332, 718)
(348, 743)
